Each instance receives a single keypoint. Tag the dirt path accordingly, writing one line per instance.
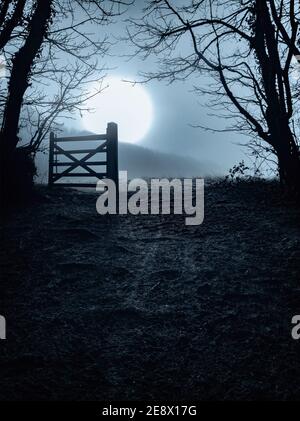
(146, 307)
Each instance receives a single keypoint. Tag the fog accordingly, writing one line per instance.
(176, 109)
(141, 161)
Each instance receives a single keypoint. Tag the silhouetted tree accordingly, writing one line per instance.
(248, 48)
(11, 16)
(46, 43)
(44, 113)
(22, 63)
(19, 79)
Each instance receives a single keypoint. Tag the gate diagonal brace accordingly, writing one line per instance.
(78, 162)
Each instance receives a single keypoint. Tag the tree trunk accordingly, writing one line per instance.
(289, 165)
(278, 110)
(18, 83)
(10, 24)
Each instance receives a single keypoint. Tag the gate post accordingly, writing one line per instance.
(112, 153)
(51, 159)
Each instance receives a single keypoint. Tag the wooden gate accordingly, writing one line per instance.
(103, 165)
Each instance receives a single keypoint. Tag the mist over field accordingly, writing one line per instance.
(141, 161)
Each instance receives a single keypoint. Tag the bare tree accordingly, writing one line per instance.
(48, 43)
(19, 79)
(11, 16)
(248, 48)
(44, 112)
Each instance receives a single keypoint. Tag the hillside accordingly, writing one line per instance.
(135, 307)
(144, 162)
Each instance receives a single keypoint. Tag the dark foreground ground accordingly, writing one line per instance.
(138, 307)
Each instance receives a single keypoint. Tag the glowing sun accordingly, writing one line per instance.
(128, 105)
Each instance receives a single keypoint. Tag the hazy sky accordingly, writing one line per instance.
(176, 107)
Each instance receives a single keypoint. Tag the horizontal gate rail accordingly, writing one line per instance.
(90, 185)
(76, 151)
(88, 138)
(82, 174)
(92, 163)
(108, 145)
